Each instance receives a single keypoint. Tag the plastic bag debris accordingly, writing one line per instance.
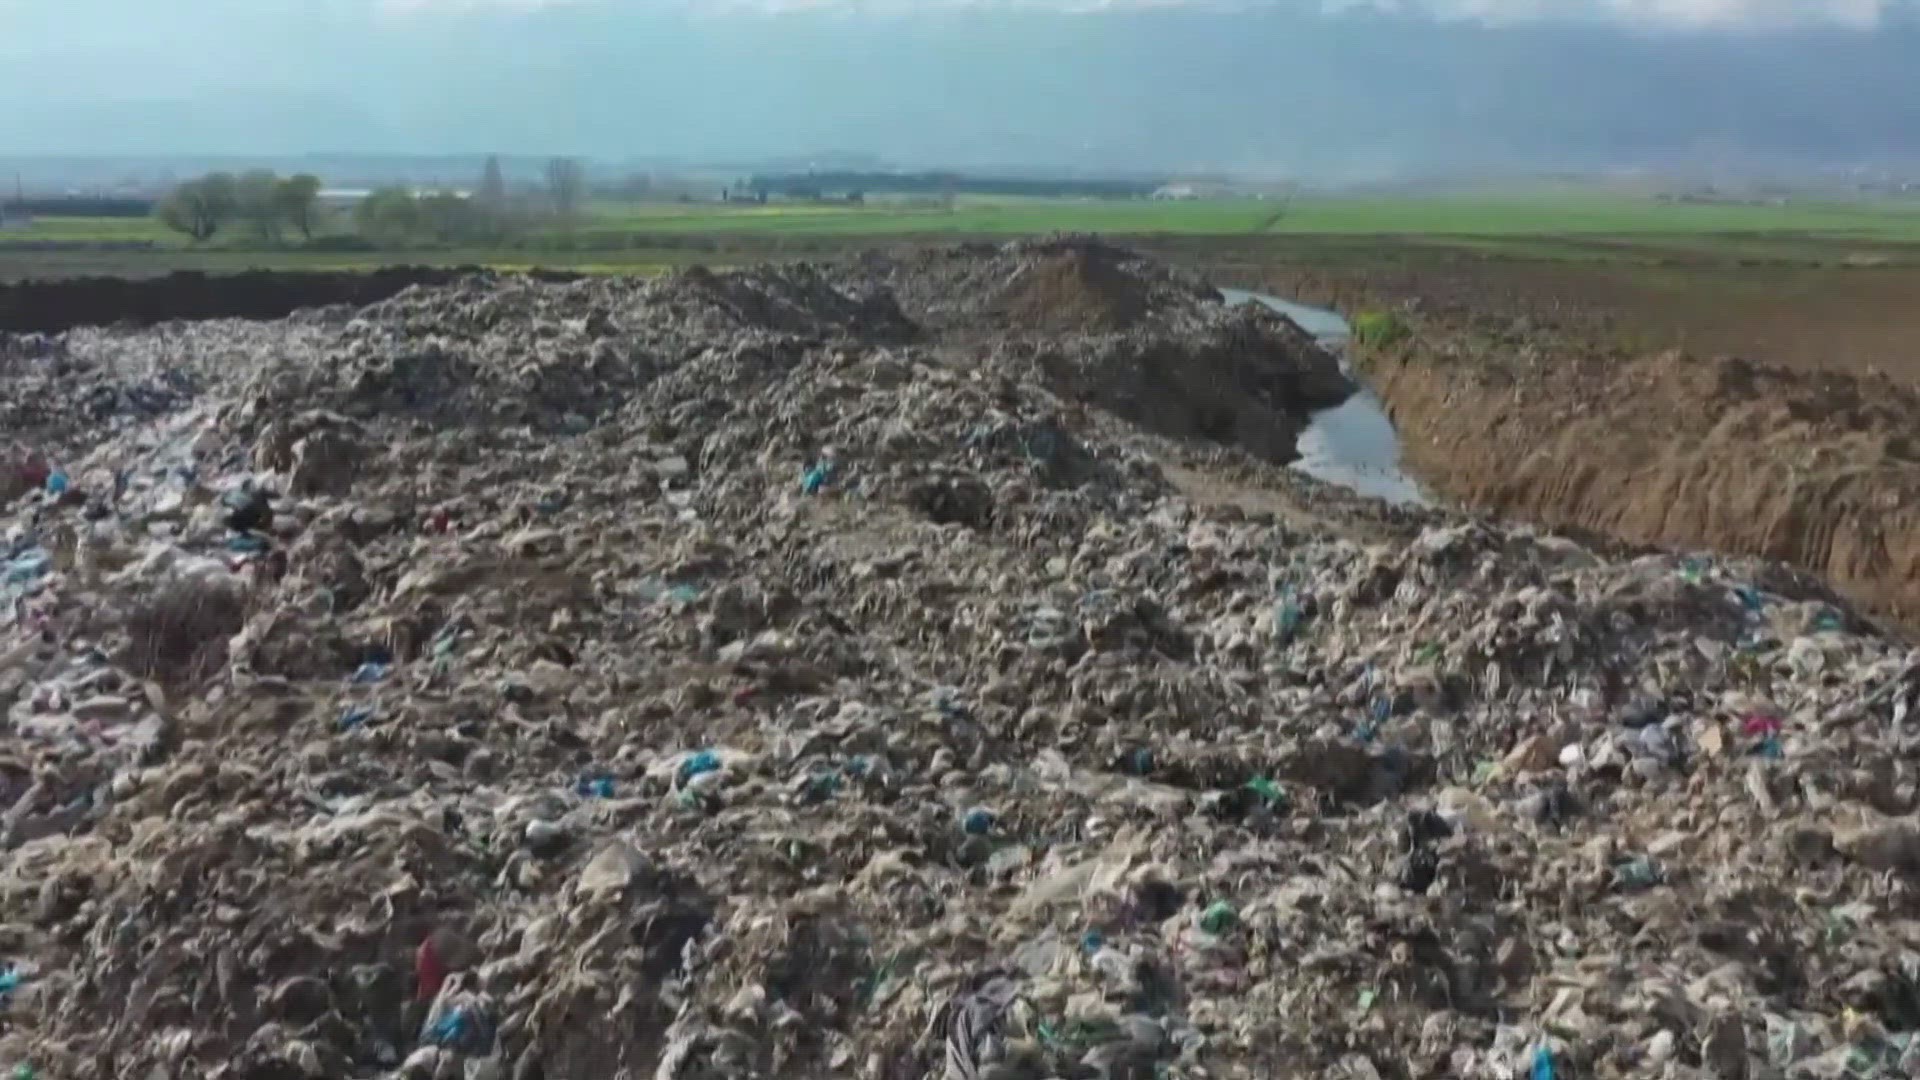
(679, 779)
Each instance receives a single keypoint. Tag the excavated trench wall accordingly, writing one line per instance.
(50, 307)
(1819, 471)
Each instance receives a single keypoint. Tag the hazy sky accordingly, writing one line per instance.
(1344, 85)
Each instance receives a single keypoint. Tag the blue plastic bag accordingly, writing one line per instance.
(698, 764)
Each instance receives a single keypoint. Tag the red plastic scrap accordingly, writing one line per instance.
(429, 970)
(33, 471)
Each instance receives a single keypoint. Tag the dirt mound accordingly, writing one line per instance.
(53, 306)
(1077, 284)
(799, 298)
(1241, 377)
(1079, 287)
(1103, 326)
(1821, 471)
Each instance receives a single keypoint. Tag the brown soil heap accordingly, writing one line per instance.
(1079, 287)
(1814, 469)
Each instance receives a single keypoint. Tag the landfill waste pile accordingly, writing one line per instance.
(766, 674)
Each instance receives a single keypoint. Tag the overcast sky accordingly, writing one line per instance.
(1279, 85)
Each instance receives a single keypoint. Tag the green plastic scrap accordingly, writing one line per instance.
(1876, 1056)
(1287, 616)
(24, 1071)
(870, 986)
(1075, 1034)
(1781, 1044)
(1270, 793)
(1838, 929)
(1636, 874)
(1367, 998)
(1219, 917)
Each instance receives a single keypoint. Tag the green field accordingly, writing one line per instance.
(1480, 216)
(640, 238)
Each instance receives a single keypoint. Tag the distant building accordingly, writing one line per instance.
(1183, 190)
(343, 197)
(348, 198)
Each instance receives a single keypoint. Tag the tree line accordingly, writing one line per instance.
(261, 206)
(261, 203)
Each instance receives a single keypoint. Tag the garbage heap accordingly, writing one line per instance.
(765, 674)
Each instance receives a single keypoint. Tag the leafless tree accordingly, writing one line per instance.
(492, 193)
(566, 186)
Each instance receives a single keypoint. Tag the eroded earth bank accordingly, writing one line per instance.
(1819, 469)
(920, 667)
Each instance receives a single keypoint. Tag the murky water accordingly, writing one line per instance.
(1352, 444)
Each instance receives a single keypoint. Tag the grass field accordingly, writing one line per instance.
(1827, 285)
(642, 238)
(1486, 219)
(1512, 216)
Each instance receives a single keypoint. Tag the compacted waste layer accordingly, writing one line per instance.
(818, 672)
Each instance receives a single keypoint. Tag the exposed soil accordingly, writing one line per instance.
(1761, 409)
(1833, 318)
(1075, 289)
(52, 306)
(1816, 469)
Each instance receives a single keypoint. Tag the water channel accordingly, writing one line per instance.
(1352, 444)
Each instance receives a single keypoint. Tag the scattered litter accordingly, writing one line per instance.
(1270, 793)
(1637, 873)
(1219, 917)
(27, 566)
(977, 821)
(699, 763)
(815, 478)
(1033, 756)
